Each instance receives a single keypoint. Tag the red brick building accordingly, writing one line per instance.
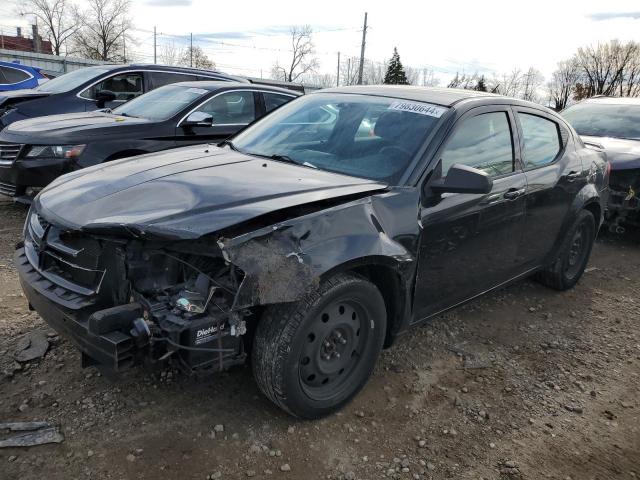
(35, 43)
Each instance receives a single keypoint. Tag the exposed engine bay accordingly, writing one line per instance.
(624, 200)
(140, 302)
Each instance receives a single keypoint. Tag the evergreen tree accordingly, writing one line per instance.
(395, 72)
(481, 85)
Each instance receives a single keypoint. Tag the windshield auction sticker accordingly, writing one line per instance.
(419, 108)
(198, 91)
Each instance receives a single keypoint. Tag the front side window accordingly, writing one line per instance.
(162, 103)
(605, 120)
(483, 142)
(361, 135)
(541, 140)
(13, 75)
(126, 86)
(231, 108)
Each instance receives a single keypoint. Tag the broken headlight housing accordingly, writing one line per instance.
(55, 151)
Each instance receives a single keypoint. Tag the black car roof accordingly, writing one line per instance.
(216, 84)
(439, 96)
(167, 68)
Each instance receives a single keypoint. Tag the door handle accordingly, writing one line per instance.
(512, 193)
(572, 175)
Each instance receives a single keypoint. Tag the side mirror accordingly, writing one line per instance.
(463, 179)
(104, 96)
(198, 119)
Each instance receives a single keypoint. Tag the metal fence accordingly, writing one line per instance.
(54, 64)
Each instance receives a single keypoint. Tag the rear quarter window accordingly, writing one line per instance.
(13, 75)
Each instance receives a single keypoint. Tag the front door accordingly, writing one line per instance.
(231, 111)
(469, 242)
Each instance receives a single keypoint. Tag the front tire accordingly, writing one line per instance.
(573, 255)
(313, 356)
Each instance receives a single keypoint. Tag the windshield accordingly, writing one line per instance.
(161, 103)
(605, 120)
(71, 80)
(364, 136)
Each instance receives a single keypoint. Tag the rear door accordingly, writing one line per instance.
(273, 100)
(554, 175)
(468, 242)
(160, 79)
(231, 111)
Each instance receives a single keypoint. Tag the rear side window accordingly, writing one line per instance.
(13, 75)
(542, 141)
(482, 142)
(274, 100)
(160, 79)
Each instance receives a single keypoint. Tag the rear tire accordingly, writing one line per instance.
(313, 356)
(573, 254)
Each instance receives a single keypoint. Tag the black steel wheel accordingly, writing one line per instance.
(312, 357)
(573, 254)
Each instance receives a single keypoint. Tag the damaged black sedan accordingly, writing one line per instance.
(613, 125)
(314, 237)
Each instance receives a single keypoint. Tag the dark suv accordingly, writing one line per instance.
(312, 238)
(97, 87)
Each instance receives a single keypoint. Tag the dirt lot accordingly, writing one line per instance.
(526, 383)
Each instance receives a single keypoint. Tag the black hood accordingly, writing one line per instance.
(12, 97)
(71, 128)
(624, 154)
(187, 192)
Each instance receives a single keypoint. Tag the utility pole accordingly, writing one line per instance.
(364, 41)
(124, 49)
(191, 52)
(338, 73)
(155, 60)
(349, 71)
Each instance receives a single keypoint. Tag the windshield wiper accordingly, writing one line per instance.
(229, 143)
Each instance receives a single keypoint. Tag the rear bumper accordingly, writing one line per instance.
(68, 313)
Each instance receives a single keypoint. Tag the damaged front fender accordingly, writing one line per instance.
(284, 261)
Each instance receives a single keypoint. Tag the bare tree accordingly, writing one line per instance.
(56, 18)
(104, 27)
(170, 54)
(562, 83)
(373, 73)
(320, 80)
(531, 83)
(303, 58)
(429, 79)
(509, 84)
(198, 60)
(604, 66)
(349, 71)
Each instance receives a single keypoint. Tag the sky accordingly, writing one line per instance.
(489, 36)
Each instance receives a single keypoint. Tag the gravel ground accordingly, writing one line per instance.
(526, 383)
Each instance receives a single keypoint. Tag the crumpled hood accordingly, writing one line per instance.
(70, 125)
(622, 153)
(187, 192)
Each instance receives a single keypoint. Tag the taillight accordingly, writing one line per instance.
(608, 169)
